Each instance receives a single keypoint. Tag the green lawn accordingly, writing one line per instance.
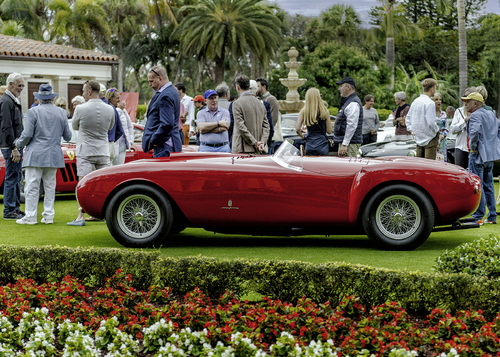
(314, 249)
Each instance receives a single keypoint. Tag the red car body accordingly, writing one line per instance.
(232, 193)
(67, 178)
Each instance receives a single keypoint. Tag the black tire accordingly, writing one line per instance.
(398, 217)
(139, 216)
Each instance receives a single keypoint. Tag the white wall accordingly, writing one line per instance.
(57, 74)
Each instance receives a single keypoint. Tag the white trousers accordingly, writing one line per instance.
(119, 158)
(33, 175)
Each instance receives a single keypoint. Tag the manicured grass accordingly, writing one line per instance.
(314, 249)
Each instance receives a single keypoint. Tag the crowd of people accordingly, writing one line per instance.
(103, 131)
(249, 125)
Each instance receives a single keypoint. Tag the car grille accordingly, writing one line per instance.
(68, 173)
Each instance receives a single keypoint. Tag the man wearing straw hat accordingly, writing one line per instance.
(45, 124)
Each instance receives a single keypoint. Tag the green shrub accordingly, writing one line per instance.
(141, 111)
(383, 114)
(333, 111)
(481, 257)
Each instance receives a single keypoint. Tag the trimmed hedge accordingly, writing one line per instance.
(284, 280)
(91, 265)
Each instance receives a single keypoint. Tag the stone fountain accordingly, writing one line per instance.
(292, 104)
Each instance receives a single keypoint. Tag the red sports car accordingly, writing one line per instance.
(67, 178)
(396, 201)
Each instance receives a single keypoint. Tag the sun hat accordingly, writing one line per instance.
(475, 96)
(45, 92)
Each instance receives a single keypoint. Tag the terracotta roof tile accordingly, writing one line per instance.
(15, 46)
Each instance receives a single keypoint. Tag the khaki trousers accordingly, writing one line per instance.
(429, 151)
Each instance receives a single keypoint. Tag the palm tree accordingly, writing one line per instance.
(215, 28)
(31, 15)
(339, 22)
(391, 21)
(462, 47)
(125, 17)
(82, 24)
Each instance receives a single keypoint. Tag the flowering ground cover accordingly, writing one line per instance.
(66, 319)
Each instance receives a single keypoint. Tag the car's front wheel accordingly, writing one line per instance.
(398, 217)
(139, 216)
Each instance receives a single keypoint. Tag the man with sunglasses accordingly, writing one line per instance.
(161, 132)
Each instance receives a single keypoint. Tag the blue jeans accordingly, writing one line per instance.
(163, 150)
(205, 148)
(485, 173)
(12, 183)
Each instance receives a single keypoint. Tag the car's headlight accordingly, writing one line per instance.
(412, 153)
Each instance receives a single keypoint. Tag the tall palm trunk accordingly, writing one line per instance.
(389, 46)
(120, 63)
(462, 46)
(219, 68)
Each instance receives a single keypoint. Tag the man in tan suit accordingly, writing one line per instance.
(251, 128)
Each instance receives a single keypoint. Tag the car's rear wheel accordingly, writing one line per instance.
(398, 217)
(139, 216)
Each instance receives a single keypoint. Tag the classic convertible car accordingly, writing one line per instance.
(396, 201)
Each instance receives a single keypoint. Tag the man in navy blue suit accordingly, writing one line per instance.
(161, 132)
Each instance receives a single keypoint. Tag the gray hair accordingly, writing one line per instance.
(78, 99)
(222, 90)
(51, 100)
(13, 78)
(254, 87)
(470, 90)
(482, 90)
(400, 95)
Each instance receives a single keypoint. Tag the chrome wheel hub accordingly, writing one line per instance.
(139, 216)
(398, 217)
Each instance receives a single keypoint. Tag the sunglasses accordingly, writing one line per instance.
(152, 70)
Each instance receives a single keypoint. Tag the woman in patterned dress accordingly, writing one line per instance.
(441, 123)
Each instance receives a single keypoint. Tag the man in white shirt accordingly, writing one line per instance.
(421, 121)
(347, 131)
(186, 100)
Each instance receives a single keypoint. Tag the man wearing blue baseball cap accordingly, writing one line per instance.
(213, 123)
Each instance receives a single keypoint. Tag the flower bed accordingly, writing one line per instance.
(65, 319)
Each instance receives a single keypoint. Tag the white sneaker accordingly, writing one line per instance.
(24, 220)
(47, 221)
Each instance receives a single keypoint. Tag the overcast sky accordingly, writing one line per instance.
(360, 6)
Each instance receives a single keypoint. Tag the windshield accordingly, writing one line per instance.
(288, 156)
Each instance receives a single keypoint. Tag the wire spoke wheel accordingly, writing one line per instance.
(398, 217)
(139, 216)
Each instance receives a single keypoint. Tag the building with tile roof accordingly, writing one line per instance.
(65, 68)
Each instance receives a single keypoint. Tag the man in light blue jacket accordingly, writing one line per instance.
(45, 124)
(484, 150)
